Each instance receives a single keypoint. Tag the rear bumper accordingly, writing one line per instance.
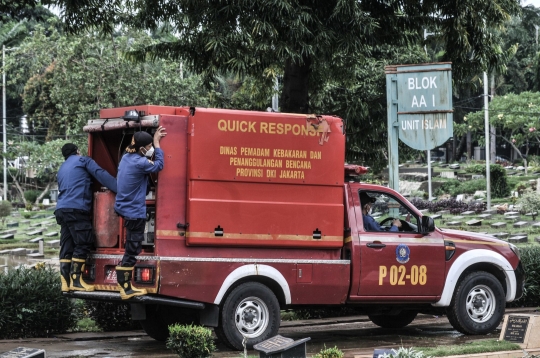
(146, 299)
(520, 280)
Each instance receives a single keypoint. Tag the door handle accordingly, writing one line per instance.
(373, 245)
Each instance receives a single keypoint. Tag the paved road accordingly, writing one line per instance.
(353, 335)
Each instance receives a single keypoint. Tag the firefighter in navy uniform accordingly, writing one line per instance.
(133, 171)
(73, 214)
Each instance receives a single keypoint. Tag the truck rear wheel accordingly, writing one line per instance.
(478, 304)
(402, 319)
(159, 318)
(251, 310)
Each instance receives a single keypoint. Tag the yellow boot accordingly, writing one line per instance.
(77, 282)
(123, 276)
(65, 266)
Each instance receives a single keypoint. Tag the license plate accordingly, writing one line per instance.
(111, 275)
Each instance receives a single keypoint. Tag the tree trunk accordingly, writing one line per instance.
(295, 97)
(44, 191)
(461, 148)
(19, 189)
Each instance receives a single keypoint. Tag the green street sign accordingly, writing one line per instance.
(424, 105)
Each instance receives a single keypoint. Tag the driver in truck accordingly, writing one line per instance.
(370, 224)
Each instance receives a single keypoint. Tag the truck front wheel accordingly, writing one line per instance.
(478, 304)
(402, 319)
(251, 310)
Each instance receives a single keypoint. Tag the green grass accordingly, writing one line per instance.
(480, 346)
(21, 238)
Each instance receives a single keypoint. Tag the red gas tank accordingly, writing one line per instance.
(107, 222)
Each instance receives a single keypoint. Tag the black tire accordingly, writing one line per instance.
(251, 308)
(478, 304)
(159, 318)
(402, 319)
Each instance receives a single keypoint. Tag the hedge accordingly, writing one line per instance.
(32, 304)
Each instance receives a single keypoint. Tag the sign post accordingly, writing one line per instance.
(419, 102)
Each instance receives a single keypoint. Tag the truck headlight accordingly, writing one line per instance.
(515, 249)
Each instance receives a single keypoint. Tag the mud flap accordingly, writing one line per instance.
(209, 316)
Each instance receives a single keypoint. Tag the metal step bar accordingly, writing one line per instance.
(145, 299)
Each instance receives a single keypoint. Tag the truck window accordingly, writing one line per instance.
(385, 208)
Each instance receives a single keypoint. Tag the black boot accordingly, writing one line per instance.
(77, 282)
(65, 266)
(123, 276)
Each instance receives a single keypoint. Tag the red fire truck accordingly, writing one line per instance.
(255, 212)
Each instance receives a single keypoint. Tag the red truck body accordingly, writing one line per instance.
(252, 213)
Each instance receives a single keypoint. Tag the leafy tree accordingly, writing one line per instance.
(68, 79)
(515, 117)
(529, 202)
(42, 162)
(298, 38)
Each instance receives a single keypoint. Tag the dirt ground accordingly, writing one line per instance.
(353, 335)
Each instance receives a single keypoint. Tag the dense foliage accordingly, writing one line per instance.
(515, 118)
(530, 258)
(190, 341)
(32, 304)
(498, 178)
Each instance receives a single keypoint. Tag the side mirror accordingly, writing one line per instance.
(428, 225)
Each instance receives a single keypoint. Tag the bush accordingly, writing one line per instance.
(530, 258)
(529, 202)
(329, 353)
(455, 187)
(5, 210)
(454, 206)
(498, 179)
(405, 353)
(190, 341)
(32, 304)
(31, 195)
(110, 316)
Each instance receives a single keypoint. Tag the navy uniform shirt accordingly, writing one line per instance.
(132, 183)
(371, 224)
(74, 181)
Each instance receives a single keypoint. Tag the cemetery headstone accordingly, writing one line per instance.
(474, 222)
(521, 224)
(23, 352)
(522, 329)
(282, 347)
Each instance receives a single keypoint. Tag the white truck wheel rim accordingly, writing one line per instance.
(251, 317)
(480, 303)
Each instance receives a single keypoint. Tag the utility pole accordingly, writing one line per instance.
(4, 117)
(486, 124)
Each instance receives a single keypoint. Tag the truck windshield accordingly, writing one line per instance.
(385, 208)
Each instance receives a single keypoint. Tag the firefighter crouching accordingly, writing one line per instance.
(73, 214)
(135, 167)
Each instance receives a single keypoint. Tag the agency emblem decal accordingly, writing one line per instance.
(403, 253)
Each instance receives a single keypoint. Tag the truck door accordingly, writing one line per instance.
(398, 264)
